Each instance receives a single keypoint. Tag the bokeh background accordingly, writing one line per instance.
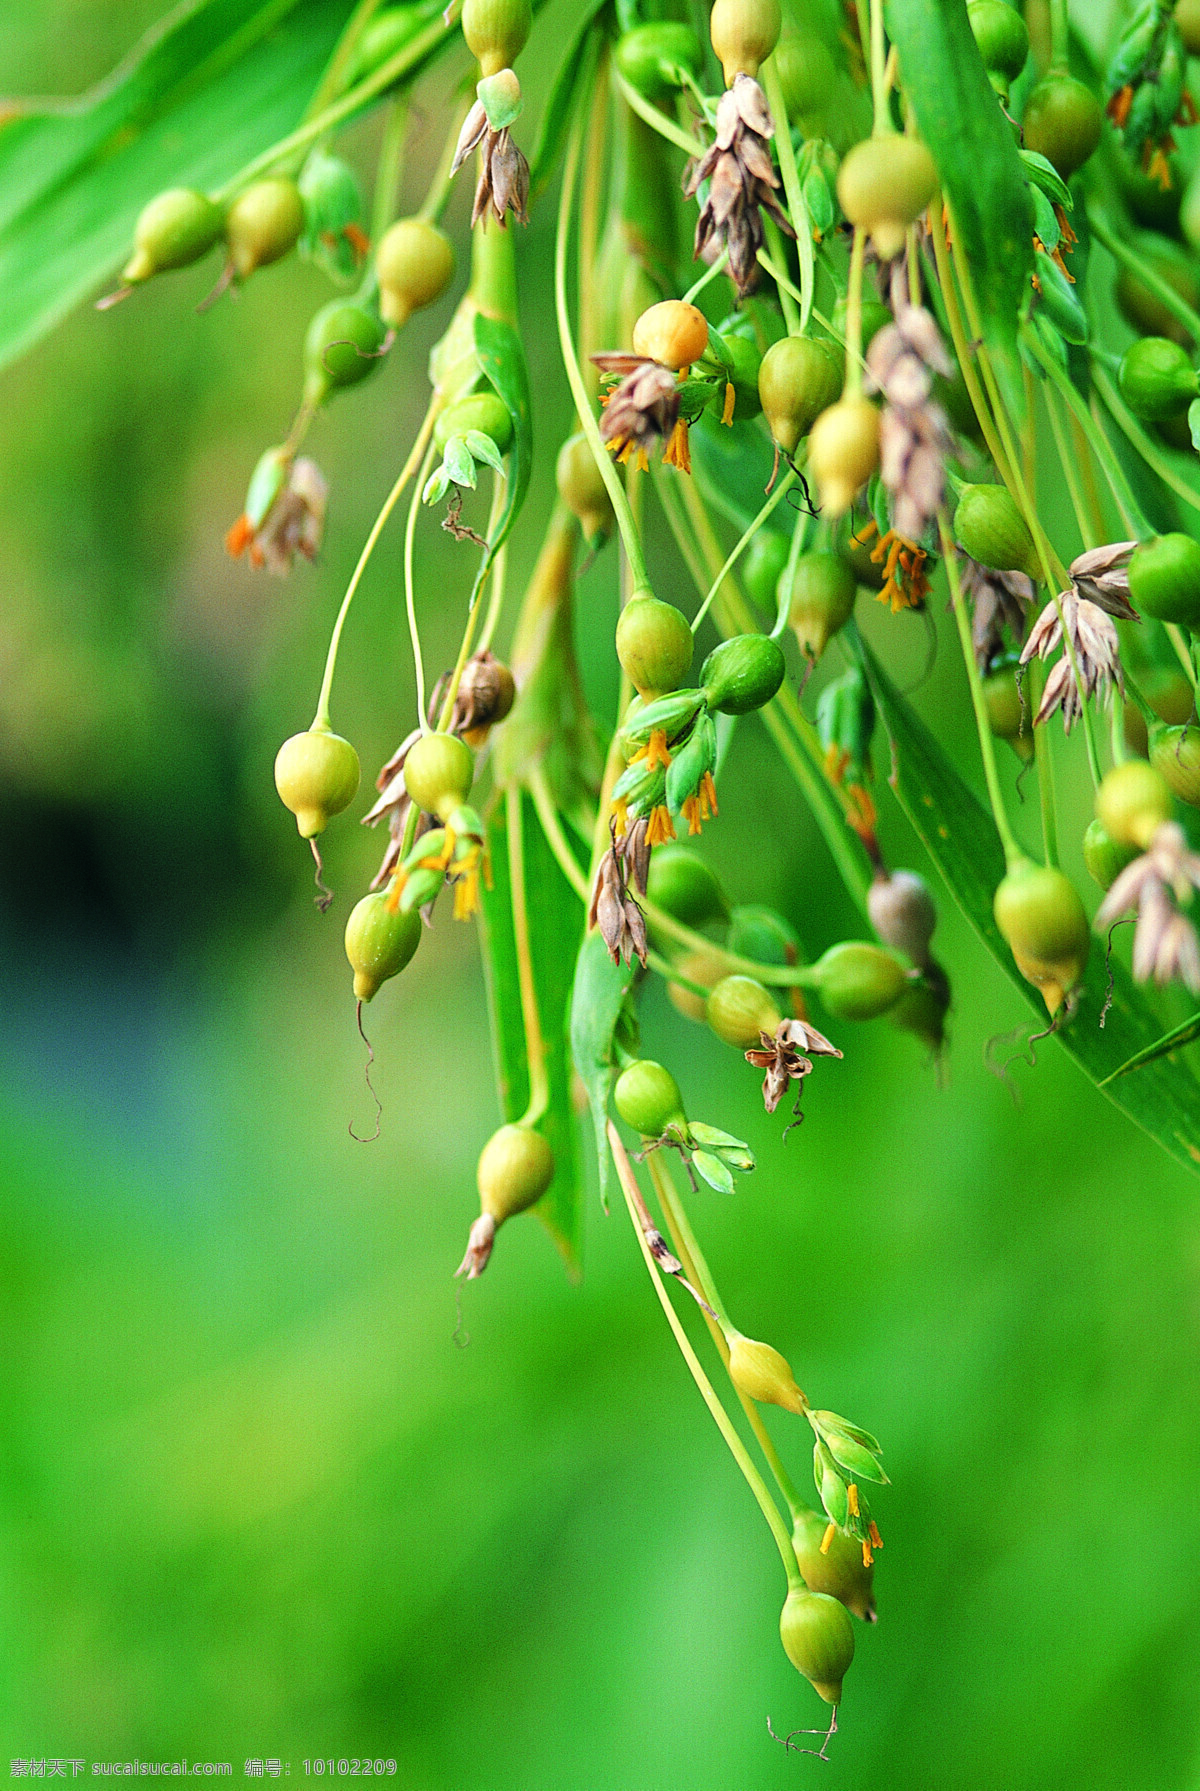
(256, 1500)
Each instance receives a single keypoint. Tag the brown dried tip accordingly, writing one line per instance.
(643, 409)
(504, 172)
(783, 1057)
(1097, 650)
(624, 868)
(479, 1248)
(742, 179)
(1101, 576)
(998, 600)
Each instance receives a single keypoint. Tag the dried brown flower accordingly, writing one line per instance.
(741, 178)
(784, 1057)
(622, 876)
(1165, 946)
(503, 172)
(643, 409)
(294, 523)
(999, 600)
(914, 436)
(1097, 653)
(1102, 577)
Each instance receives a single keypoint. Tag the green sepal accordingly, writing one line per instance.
(420, 887)
(266, 482)
(1061, 305)
(467, 826)
(639, 787)
(481, 447)
(831, 1488)
(696, 756)
(712, 1170)
(499, 103)
(458, 463)
(670, 713)
(713, 1137)
(436, 486)
(1045, 221)
(859, 1458)
(1045, 178)
(1050, 340)
(1193, 417)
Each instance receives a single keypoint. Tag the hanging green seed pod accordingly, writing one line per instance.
(1104, 858)
(680, 882)
(821, 600)
(316, 775)
(839, 1570)
(762, 567)
(390, 30)
(1164, 579)
(651, 56)
(414, 264)
(333, 211)
(672, 332)
(496, 31)
(515, 1168)
(1157, 379)
(1041, 916)
(379, 942)
(739, 1009)
(903, 913)
(818, 1639)
(843, 450)
(857, 981)
(173, 230)
(743, 33)
(1132, 803)
(1002, 36)
(799, 378)
(647, 1098)
(806, 74)
(1007, 714)
(438, 774)
(742, 674)
(1062, 121)
(479, 410)
(582, 489)
(883, 185)
(1175, 755)
(654, 646)
(340, 349)
(761, 1373)
(988, 526)
(263, 224)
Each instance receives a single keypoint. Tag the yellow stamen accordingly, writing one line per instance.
(656, 750)
(677, 453)
(876, 1538)
(466, 895)
(827, 1539)
(852, 1499)
(396, 891)
(620, 810)
(660, 829)
(868, 1557)
(730, 401)
(708, 793)
(691, 814)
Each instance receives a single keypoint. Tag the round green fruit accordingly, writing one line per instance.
(379, 943)
(1175, 755)
(650, 57)
(798, 379)
(1104, 858)
(988, 526)
(647, 1098)
(743, 673)
(821, 600)
(883, 184)
(654, 645)
(1157, 379)
(414, 264)
(1062, 121)
(515, 1168)
(483, 411)
(762, 567)
(1041, 917)
(857, 981)
(263, 224)
(1132, 803)
(175, 229)
(316, 774)
(1164, 579)
(496, 31)
(739, 1009)
(341, 348)
(818, 1639)
(438, 773)
(688, 889)
(1002, 36)
(839, 1570)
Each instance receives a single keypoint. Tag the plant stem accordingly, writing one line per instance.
(709, 274)
(987, 746)
(1138, 439)
(343, 50)
(737, 1448)
(854, 314)
(1146, 275)
(410, 466)
(410, 600)
(1060, 34)
(535, 1048)
(556, 839)
(735, 554)
(658, 121)
(441, 186)
(787, 304)
(793, 191)
(882, 126)
(1127, 504)
(388, 167)
(489, 567)
(1070, 470)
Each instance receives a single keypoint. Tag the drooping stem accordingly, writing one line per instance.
(883, 125)
(737, 1448)
(535, 1048)
(1060, 34)
(410, 599)
(793, 192)
(987, 745)
(788, 305)
(735, 554)
(441, 186)
(406, 472)
(488, 568)
(1146, 275)
(1139, 440)
(388, 167)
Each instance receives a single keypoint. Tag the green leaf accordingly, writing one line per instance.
(961, 838)
(569, 80)
(599, 994)
(555, 917)
(1182, 1034)
(978, 163)
(1062, 305)
(502, 359)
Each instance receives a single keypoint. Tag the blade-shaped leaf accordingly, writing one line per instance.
(980, 169)
(1183, 1034)
(599, 994)
(572, 72)
(555, 918)
(961, 838)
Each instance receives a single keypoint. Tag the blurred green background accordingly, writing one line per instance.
(255, 1499)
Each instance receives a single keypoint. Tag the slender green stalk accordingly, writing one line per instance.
(737, 1448)
(882, 126)
(442, 184)
(987, 746)
(1044, 760)
(488, 569)
(793, 192)
(658, 121)
(535, 1047)
(388, 167)
(709, 274)
(1070, 470)
(556, 839)
(780, 492)
(1060, 34)
(1137, 264)
(339, 62)
(854, 314)
(410, 597)
(321, 720)
(788, 305)
(1133, 432)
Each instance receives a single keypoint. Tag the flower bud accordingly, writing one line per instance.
(988, 526)
(647, 1098)
(763, 566)
(340, 349)
(1006, 713)
(483, 411)
(496, 31)
(379, 942)
(515, 1168)
(761, 1373)
(438, 773)
(173, 230)
(799, 378)
(884, 184)
(1164, 579)
(857, 981)
(1157, 379)
(671, 332)
(414, 263)
(582, 489)
(1104, 858)
(902, 912)
(821, 600)
(650, 56)
(316, 774)
(743, 34)
(1062, 121)
(743, 673)
(843, 450)
(1175, 755)
(818, 1639)
(839, 1570)
(1041, 916)
(682, 883)
(263, 224)
(739, 1009)
(1002, 36)
(654, 645)
(1132, 803)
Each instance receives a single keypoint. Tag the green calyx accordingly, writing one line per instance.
(379, 942)
(651, 57)
(438, 773)
(174, 229)
(1157, 379)
(515, 1168)
(742, 673)
(342, 347)
(654, 645)
(1039, 912)
(820, 601)
(989, 526)
(818, 1639)
(317, 775)
(333, 214)
(1175, 756)
(798, 379)
(739, 1010)
(263, 224)
(647, 1098)
(682, 884)
(858, 981)
(1164, 579)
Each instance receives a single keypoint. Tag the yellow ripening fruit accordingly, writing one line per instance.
(672, 332)
(843, 452)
